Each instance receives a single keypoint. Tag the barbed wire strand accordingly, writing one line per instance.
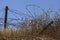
(14, 11)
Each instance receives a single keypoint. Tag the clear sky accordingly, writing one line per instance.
(20, 4)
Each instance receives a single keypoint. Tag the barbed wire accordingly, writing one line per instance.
(33, 5)
(17, 14)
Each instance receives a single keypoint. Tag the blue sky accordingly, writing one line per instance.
(21, 4)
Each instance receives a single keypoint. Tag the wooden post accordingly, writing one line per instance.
(5, 18)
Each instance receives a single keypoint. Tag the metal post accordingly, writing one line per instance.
(5, 18)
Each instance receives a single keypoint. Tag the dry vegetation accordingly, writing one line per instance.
(42, 28)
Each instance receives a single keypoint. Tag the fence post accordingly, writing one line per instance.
(5, 18)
